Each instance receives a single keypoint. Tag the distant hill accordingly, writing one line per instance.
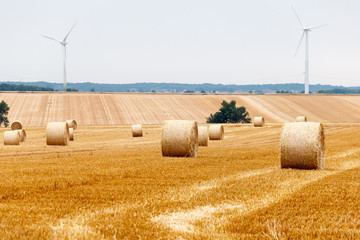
(180, 87)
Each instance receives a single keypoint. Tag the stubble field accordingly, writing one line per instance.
(107, 185)
(111, 109)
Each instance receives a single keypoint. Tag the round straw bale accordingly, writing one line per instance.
(57, 133)
(16, 125)
(216, 132)
(302, 145)
(71, 134)
(301, 119)
(72, 124)
(137, 130)
(203, 135)
(179, 138)
(22, 134)
(259, 121)
(12, 138)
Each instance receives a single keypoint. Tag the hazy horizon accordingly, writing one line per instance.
(61, 83)
(232, 42)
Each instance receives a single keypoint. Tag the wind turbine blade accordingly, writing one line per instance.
(69, 32)
(52, 39)
(303, 26)
(317, 26)
(302, 36)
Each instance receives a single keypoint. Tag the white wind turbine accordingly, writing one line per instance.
(306, 31)
(63, 44)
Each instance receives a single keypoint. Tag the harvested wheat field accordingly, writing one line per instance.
(107, 185)
(110, 109)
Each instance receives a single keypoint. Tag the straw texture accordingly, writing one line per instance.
(22, 134)
(216, 132)
(16, 125)
(259, 121)
(203, 135)
(57, 133)
(301, 119)
(302, 145)
(72, 124)
(137, 130)
(12, 138)
(71, 134)
(179, 138)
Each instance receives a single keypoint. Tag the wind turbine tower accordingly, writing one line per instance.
(306, 31)
(63, 44)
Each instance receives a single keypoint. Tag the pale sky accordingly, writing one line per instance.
(183, 41)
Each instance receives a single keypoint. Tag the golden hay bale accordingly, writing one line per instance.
(301, 119)
(57, 133)
(216, 132)
(71, 134)
(179, 138)
(12, 138)
(302, 145)
(203, 135)
(16, 125)
(259, 121)
(137, 130)
(22, 134)
(72, 124)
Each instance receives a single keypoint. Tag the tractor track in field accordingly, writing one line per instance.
(185, 221)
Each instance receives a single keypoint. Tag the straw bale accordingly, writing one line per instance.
(22, 134)
(203, 135)
(72, 124)
(179, 138)
(301, 119)
(57, 133)
(259, 121)
(302, 145)
(216, 132)
(137, 130)
(71, 134)
(12, 138)
(16, 125)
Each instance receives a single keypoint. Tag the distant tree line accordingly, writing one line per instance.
(180, 87)
(282, 91)
(72, 90)
(31, 88)
(22, 87)
(340, 91)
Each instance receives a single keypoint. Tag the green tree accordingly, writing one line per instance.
(4, 111)
(229, 113)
